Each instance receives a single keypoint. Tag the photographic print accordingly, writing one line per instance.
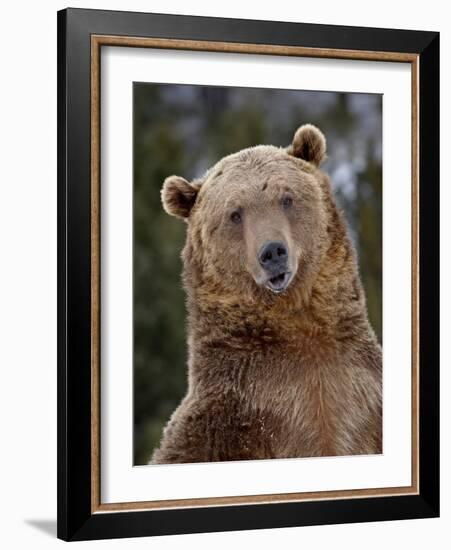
(248, 272)
(257, 273)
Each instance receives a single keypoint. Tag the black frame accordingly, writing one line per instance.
(75, 520)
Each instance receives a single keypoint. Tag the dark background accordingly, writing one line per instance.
(183, 130)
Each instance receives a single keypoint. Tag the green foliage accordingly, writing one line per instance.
(181, 129)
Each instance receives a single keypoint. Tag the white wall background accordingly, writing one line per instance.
(28, 272)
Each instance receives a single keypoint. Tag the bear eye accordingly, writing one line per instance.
(287, 202)
(235, 216)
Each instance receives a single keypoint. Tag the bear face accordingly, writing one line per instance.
(257, 220)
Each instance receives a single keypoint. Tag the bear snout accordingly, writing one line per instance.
(273, 256)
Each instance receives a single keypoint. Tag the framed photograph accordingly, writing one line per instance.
(248, 274)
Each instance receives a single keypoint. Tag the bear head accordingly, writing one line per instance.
(258, 221)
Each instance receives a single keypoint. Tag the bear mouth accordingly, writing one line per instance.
(279, 282)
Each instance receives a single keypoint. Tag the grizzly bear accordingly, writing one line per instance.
(283, 361)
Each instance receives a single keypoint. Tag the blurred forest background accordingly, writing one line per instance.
(183, 130)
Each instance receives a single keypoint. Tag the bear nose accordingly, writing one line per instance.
(272, 254)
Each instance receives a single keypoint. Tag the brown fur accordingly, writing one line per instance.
(295, 374)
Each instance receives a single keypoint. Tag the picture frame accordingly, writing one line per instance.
(81, 36)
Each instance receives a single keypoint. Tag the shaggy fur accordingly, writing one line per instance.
(295, 374)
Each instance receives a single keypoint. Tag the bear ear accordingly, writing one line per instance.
(178, 196)
(308, 144)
